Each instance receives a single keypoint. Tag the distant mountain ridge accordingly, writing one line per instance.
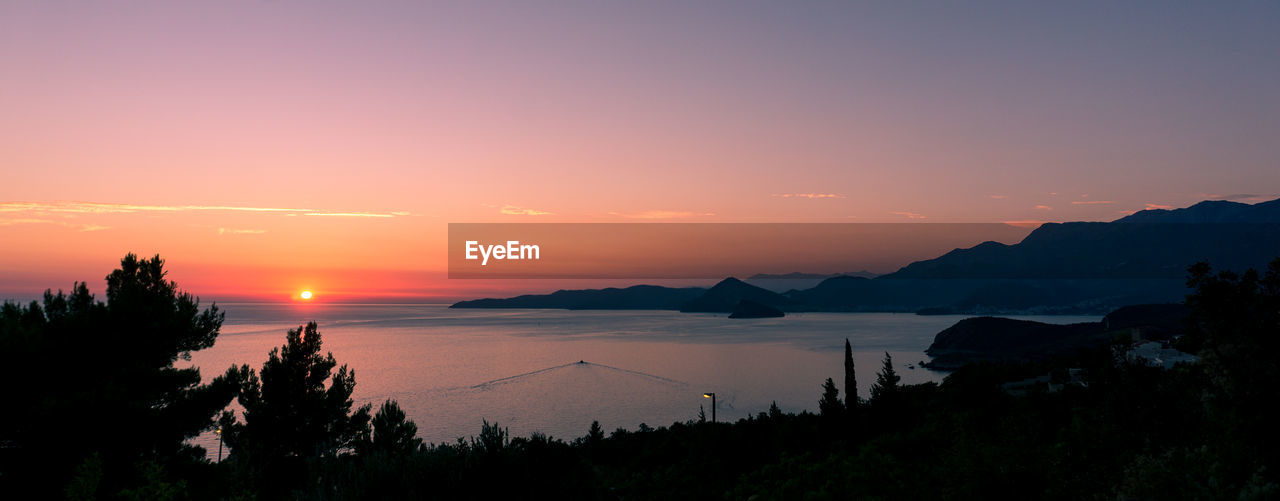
(1059, 268)
(636, 297)
(1210, 211)
(796, 275)
(1151, 244)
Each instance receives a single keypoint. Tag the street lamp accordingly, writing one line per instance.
(711, 396)
(219, 432)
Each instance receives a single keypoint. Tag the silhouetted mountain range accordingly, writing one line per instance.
(637, 297)
(1210, 211)
(1060, 268)
(796, 275)
(724, 296)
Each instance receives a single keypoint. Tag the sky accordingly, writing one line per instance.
(264, 147)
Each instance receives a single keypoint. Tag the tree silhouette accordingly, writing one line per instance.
(289, 412)
(850, 379)
(106, 367)
(393, 433)
(830, 404)
(886, 384)
(595, 433)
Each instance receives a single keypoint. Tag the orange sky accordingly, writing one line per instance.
(265, 147)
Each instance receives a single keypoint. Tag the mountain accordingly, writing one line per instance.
(1010, 340)
(724, 296)
(796, 275)
(638, 297)
(1153, 244)
(751, 309)
(1059, 268)
(1210, 211)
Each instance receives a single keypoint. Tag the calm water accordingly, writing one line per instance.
(451, 368)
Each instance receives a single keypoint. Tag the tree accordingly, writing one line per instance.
(107, 367)
(288, 411)
(1234, 327)
(850, 379)
(595, 434)
(830, 405)
(886, 384)
(393, 433)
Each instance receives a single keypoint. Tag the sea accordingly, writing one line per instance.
(556, 371)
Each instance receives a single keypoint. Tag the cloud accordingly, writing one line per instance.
(1126, 212)
(1043, 207)
(61, 207)
(811, 196)
(238, 231)
(348, 214)
(660, 214)
(512, 210)
(999, 197)
(64, 224)
(1157, 206)
(1092, 202)
(910, 215)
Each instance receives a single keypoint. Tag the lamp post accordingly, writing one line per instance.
(219, 432)
(711, 396)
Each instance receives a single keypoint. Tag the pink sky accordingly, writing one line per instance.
(157, 127)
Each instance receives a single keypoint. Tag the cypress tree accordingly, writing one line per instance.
(850, 379)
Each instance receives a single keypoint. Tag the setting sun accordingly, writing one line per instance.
(305, 295)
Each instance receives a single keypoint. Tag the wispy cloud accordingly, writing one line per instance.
(64, 224)
(1043, 207)
(348, 214)
(1126, 212)
(61, 207)
(660, 214)
(1092, 202)
(239, 231)
(811, 196)
(909, 215)
(512, 210)
(1158, 206)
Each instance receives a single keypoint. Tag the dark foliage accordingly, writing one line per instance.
(97, 395)
(830, 405)
(886, 386)
(1198, 431)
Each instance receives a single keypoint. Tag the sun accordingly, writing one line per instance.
(305, 295)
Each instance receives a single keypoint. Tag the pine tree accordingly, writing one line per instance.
(289, 411)
(850, 379)
(393, 433)
(74, 357)
(774, 411)
(830, 404)
(595, 433)
(887, 379)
